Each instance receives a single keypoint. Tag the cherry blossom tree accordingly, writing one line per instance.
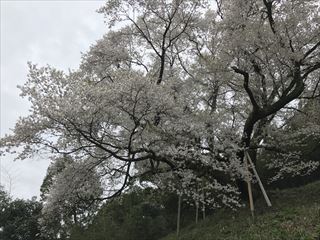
(176, 90)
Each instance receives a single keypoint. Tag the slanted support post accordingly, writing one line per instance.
(266, 198)
(249, 186)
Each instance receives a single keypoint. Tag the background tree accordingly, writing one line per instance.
(141, 213)
(19, 218)
(68, 193)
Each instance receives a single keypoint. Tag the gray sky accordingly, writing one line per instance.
(44, 32)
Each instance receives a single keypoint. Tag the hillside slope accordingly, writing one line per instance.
(295, 215)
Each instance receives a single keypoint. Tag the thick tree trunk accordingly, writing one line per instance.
(293, 90)
(246, 140)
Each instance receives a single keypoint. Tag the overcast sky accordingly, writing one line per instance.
(44, 32)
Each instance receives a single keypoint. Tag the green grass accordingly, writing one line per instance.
(295, 215)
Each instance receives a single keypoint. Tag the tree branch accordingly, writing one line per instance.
(246, 86)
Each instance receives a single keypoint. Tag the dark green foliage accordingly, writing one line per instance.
(144, 214)
(19, 218)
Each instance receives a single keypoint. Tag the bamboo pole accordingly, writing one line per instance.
(259, 180)
(249, 187)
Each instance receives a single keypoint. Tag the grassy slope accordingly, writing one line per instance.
(295, 215)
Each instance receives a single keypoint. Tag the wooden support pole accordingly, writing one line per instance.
(203, 203)
(197, 211)
(259, 180)
(249, 187)
(203, 211)
(179, 215)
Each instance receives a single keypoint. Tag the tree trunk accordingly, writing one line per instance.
(246, 140)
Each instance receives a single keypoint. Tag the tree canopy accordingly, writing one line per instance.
(173, 94)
